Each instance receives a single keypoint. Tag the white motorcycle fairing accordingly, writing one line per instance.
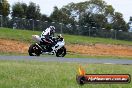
(38, 48)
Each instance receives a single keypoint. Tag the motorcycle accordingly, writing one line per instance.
(39, 48)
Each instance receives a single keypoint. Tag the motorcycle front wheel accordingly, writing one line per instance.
(61, 52)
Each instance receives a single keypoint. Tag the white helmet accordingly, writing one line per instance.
(52, 28)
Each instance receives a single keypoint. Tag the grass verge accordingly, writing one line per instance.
(34, 74)
(25, 36)
(70, 55)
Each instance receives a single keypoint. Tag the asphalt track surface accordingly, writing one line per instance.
(60, 59)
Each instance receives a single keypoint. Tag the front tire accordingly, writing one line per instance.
(61, 52)
(33, 50)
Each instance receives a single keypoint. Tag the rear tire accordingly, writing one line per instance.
(33, 51)
(61, 52)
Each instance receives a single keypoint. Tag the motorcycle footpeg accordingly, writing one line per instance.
(45, 53)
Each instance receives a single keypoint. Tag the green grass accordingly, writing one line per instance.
(34, 74)
(20, 35)
(13, 53)
(91, 40)
(25, 36)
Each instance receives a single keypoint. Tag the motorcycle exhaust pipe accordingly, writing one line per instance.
(39, 46)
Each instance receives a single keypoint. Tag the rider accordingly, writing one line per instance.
(47, 36)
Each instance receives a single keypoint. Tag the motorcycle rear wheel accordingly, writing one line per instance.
(33, 50)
